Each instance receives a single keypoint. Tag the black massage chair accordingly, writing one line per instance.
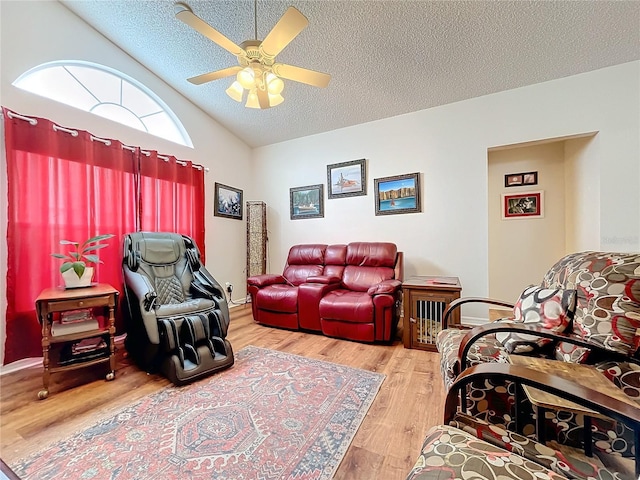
(177, 316)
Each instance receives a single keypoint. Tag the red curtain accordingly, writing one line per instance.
(172, 197)
(68, 185)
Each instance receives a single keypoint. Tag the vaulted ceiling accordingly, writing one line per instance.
(386, 58)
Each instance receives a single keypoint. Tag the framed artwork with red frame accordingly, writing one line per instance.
(523, 205)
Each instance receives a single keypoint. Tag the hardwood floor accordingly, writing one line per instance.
(386, 446)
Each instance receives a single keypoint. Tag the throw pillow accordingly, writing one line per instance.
(551, 309)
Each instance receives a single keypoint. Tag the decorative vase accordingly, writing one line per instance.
(71, 280)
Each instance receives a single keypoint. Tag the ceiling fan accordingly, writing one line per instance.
(257, 72)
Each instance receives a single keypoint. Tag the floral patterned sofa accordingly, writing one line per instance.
(586, 310)
(466, 447)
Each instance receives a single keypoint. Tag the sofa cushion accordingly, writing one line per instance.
(451, 453)
(571, 466)
(608, 310)
(278, 298)
(551, 309)
(375, 254)
(360, 279)
(347, 306)
(304, 261)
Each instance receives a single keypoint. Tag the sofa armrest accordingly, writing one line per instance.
(385, 287)
(265, 280)
(527, 329)
(458, 302)
(323, 279)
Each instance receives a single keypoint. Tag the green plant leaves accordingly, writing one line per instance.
(76, 259)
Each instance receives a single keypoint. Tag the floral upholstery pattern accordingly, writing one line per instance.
(551, 308)
(450, 453)
(569, 466)
(486, 349)
(607, 314)
(608, 304)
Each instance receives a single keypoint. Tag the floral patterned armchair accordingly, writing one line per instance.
(586, 310)
(466, 447)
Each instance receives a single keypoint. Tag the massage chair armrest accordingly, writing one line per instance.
(261, 281)
(458, 302)
(145, 295)
(324, 279)
(386, 287)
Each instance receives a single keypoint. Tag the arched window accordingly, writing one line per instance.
(106, 92)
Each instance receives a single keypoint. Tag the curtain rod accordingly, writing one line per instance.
(34, 121)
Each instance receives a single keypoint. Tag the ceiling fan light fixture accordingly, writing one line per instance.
(252, 100)
(235, 91)
(275, 85)
(247, 78)
(275, 99)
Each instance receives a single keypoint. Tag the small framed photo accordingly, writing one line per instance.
(523, 205)
(399, 194)
(530, 178)
(347, 179)
(228, 201)
(306, 202)
(513, 180)
(519, 179)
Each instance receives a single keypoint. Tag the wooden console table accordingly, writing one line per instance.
(425, 300)
(52, 302)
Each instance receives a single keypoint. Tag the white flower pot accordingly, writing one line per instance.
(71, 280)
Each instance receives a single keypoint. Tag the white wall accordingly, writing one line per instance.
(581, 158)
(448, 145)
(521, 250)
(36, 32)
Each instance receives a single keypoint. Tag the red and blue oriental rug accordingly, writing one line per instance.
(273, 415)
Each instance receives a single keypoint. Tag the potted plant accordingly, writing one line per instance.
(74, 270)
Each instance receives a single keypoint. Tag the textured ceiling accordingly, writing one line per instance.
(386, 58)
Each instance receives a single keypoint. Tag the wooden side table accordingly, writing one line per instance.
(425, 299)
(52, 302)
(585, 375)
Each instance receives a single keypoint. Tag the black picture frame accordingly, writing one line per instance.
(520, 179)
(227, 201)
(347, 179)
(306, 202)
(398, 194)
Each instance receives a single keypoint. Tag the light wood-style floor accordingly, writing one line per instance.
(409, 402)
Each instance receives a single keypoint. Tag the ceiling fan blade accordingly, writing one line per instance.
(287, 28)
(184, 14)
(209, 77)
(263, 98)
(302, 75)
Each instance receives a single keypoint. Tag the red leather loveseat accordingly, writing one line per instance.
(345, 291)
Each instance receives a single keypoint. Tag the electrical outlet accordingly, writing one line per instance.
(229, 287)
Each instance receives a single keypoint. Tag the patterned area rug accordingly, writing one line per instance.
(273, 415)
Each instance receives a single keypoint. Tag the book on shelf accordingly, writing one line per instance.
(74, 327)
(73, 316)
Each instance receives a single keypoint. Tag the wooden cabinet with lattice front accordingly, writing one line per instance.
(425, 299)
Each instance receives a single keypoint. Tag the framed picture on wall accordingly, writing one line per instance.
(530, 178)
(523, 205)
(347, 179)
(227, 201)
(399, 194)
(519, 179)
(306, 202)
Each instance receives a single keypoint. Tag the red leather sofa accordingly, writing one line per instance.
(345, 291)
